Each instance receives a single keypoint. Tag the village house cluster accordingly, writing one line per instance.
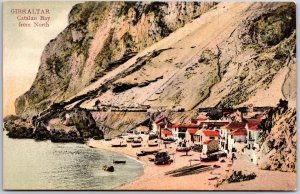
(237, 130)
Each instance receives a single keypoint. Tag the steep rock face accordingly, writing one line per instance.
(244, 56)
(84, 123)
(278, 140)
(115, 123)
(100, 37)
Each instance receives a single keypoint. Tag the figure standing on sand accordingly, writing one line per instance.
(232, 157)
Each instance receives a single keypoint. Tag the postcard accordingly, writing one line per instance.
(149, 95)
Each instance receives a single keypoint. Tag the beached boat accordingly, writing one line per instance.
(153, 144)
(136, 141)
(118, 145)
(136, 145)
(183, 149)
(148, 152)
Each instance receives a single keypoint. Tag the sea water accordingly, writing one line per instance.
(43, 165)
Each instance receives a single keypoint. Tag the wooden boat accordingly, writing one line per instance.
(136, 145)
(130, 139)
(183, 149)
(145, 153)
(119, 161)
(118, 145)
(136, 141)
(152, 144)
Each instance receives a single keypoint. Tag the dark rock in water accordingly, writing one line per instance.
(66, 134)
(18, 127)
(108, 168)
(13, 121)
(20, 132)
(41, 133)
(74, 125)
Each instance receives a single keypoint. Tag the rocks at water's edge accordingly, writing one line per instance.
(108, 168)
(74, 125)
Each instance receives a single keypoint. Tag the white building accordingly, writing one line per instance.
(252, 146)
(226, 141)
(237, 136)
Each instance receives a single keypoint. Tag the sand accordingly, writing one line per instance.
(265, 180)
(154, 177)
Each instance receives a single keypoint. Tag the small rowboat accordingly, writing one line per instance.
(183, 149)
(152, 144)
(137, 141)
(118, 145)
(119, 161)
(136, 145)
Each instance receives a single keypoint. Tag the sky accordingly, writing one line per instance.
(23, 46)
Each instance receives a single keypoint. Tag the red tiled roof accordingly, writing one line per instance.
(239, 132)
(253, 124)
(201, 118)
(236, 125)
(216, 124)
(192, 125)
(166, 132)
(192, 131)
(161, 124)
(210, 133)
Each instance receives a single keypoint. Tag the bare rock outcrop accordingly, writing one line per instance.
(74, 125)
(278, 140)
(99, 36)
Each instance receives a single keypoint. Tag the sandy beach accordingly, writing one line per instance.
(154, 177)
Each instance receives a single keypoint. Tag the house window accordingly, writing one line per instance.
(211, 137)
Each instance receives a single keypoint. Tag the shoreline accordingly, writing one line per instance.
(154, 178)
(152, 173)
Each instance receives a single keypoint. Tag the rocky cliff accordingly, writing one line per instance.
(279, 140)
(100, 37)
(168, 55)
